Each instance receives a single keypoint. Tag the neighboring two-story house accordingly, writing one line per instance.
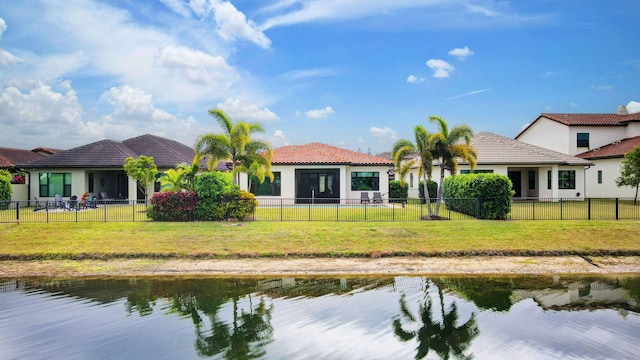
(601, 139)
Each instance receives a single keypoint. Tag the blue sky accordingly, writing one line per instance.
(358, 74)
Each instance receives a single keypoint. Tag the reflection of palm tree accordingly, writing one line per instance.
(250, 333)
(445, 338)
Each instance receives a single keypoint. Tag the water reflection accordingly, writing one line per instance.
(321, 317)
(445, 336)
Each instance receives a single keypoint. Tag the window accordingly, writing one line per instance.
(532, 180)
(582, 140)
(267, 188)
(599, 176)
(566, 179)
(55, 183)
(549, 182)
(411, 180)
(365, 180)
(476, 171)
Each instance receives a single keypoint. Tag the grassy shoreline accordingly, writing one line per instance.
(203, 240)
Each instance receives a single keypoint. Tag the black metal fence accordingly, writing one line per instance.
(336, 210)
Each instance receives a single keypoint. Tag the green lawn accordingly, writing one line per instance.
(303, 238)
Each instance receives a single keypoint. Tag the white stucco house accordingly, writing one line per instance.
(321, 173)
(601, 139)
(535, 172)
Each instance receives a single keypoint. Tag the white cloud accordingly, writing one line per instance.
(361, 140)
(633, 107)
(573, 104)
(6, 58)
(233, 24)
(602, 87)
(415, 79)
(469, 93)
(383, 132)
(441, 68)
(319, 113)
(37, 113)
(288, 12)
(135, 114)
(461, 53)
(236, 109)
(196, 65)
(177, 6)
(3, 27)
(310, 73)
(278, 139)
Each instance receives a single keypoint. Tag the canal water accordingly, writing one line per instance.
(532, 317)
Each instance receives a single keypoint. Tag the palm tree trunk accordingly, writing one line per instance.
(440, 190)
(427, 197)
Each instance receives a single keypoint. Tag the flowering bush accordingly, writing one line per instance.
(18, 179)
(172, 206)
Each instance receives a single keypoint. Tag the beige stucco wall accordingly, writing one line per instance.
(548, 134)
(610, 171)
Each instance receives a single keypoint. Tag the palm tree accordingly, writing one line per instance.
(448, 147)
(258, 169)
(445, 338)
(234, 144)
(190, 172)
(172, 180)
(423, 158)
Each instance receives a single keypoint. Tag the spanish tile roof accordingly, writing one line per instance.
(496, 149)
(112, 154)
(10, 157)
(587, 119)
(322, 154)
(614, 150)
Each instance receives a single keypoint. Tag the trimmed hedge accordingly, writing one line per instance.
(171, 206)
(484, 196)
(5, 189)
(221, 200)
(397, 191)
(433, 190)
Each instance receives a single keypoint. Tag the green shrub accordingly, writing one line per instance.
(433, 190)
(210, 187)
(398, 192)
(485, 196)
(5, 189)
(172, 206)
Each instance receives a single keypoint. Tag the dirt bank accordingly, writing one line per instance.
(324, 266)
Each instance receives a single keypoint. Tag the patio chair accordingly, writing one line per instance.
(73, 203)
(39, 206)
(104, 197)
(59, 203)
(377, 198)
(364, 198)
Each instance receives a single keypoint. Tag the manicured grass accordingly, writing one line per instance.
(257, 239)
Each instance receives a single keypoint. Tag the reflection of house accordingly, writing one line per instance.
(323, 173)
(9, 160)
(534, 171)
(602, 139)
(581, 295)
(99, 167)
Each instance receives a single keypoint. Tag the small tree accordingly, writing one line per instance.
(143, 170)
(630, 171)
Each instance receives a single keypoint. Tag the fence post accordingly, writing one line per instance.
(337, 211)
(561, 209)
(534, 209)
(281, 209)
(617, 209)
(18, 210)
(588, 208)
